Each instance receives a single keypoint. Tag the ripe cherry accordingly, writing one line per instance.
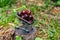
(31, 17)
(26, 15)
(23, 17)
(23, 12)
(19, 14)
(26, 12)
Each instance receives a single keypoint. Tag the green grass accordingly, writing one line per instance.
(4, 3)
(18, 38)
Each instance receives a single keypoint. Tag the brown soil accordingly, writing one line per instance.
(7, 34)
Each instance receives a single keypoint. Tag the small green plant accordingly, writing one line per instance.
(6, 2)
(37, 38)
(18, 38)
(58, 2)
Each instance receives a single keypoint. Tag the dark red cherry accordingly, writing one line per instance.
(22, 17)
(26, 12)
(23, 12)
(31, 17)
(19, 14)
(26, 17)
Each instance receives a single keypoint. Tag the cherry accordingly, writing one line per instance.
(19, 14)
(23, 12)
(31, 17)
(23, 17)
(26, 15)
(26, 12)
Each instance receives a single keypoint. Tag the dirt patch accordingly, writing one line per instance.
(7, 34)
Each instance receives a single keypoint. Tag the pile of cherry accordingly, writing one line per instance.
(26, 15)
